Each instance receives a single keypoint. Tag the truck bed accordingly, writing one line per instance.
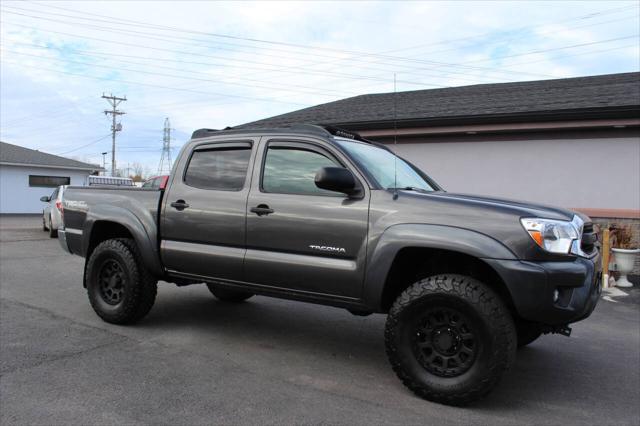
(81, 202)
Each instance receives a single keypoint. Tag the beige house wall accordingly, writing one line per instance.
(589, 173)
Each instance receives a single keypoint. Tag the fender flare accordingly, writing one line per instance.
(145, 233)
(398, 237)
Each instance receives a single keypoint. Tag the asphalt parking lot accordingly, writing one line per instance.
(194, 360)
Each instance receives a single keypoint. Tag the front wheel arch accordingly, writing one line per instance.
(414, 263)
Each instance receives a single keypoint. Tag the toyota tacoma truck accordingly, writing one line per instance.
(324, 216)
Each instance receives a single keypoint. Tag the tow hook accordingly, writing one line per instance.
(564, 329)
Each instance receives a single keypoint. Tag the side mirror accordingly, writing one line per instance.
(337, 179)
(45, 199)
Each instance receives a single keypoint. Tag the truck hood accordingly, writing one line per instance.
(497, 218)
(516, 207)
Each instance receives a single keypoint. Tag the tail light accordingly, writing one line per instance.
(60, 208)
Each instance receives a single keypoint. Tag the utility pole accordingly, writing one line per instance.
(104, 162)
(114, 101)
(166, 149)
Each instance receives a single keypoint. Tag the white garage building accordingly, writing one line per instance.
(27, 174)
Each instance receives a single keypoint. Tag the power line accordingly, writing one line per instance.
(119, 31)
(122, 21)
(183, 52)
(181, 76)
(155, 85)
(290, 68)
(86, 145)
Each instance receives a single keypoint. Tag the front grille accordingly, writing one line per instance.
(589, 238)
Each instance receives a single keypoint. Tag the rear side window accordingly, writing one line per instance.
(223, 169)
(293, 171)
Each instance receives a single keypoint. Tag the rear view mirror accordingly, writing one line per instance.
(45, 199)
(337, 179)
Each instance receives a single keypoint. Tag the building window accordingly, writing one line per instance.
(48, 181)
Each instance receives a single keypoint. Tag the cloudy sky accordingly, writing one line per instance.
(218, 64)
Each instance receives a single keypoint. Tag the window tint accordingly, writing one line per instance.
(293, 171)
(147, 184)
(48, 181)
(224, 169)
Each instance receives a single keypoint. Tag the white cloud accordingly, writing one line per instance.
(56, 67)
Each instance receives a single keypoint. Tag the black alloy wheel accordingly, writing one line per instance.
(120, 288)
(445, 343)
(112, 282)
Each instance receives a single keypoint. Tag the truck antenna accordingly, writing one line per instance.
(395, 141)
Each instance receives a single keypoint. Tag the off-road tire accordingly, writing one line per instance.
(490, 320)
(527, 332)
(53, 233)
(139, 287)
(227, 295)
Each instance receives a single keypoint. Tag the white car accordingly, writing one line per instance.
(52, 213)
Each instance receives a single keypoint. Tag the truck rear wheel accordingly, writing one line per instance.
(227, 295)
(120, 288)
(450, 339)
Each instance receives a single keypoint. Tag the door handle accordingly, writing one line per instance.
(179, 205)
(261, 210)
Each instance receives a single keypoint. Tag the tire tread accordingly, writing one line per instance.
(144, 285)
(487, 303)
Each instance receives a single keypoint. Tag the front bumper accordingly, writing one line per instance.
(552, 293)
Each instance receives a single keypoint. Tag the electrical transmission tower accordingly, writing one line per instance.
(114, 101)
(165, 160)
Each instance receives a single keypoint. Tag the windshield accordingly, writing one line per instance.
(388, 170)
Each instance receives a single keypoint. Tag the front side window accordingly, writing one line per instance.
(289, 170)
(387, 169)
(223, 169)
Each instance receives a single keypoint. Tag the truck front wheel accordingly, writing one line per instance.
(228, 295)
(450, 338)
(120, 288)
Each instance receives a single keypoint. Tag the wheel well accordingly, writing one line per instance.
(105, 230)
(412, 264)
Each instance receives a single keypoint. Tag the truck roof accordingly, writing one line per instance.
(324, 131)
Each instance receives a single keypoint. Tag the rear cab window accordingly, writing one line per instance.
(223, 167)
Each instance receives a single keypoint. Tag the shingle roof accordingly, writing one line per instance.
(14, 154)
(595, 93)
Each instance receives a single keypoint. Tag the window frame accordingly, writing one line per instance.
(219, 146)
(68, 178)
(303, 146)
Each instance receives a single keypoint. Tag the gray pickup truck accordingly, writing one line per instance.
(323, 216)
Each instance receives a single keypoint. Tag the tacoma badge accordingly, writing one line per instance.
(328, 248)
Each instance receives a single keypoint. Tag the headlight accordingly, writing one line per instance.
(555, 236)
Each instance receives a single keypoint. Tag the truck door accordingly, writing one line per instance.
(300, 237)
(203, 218)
